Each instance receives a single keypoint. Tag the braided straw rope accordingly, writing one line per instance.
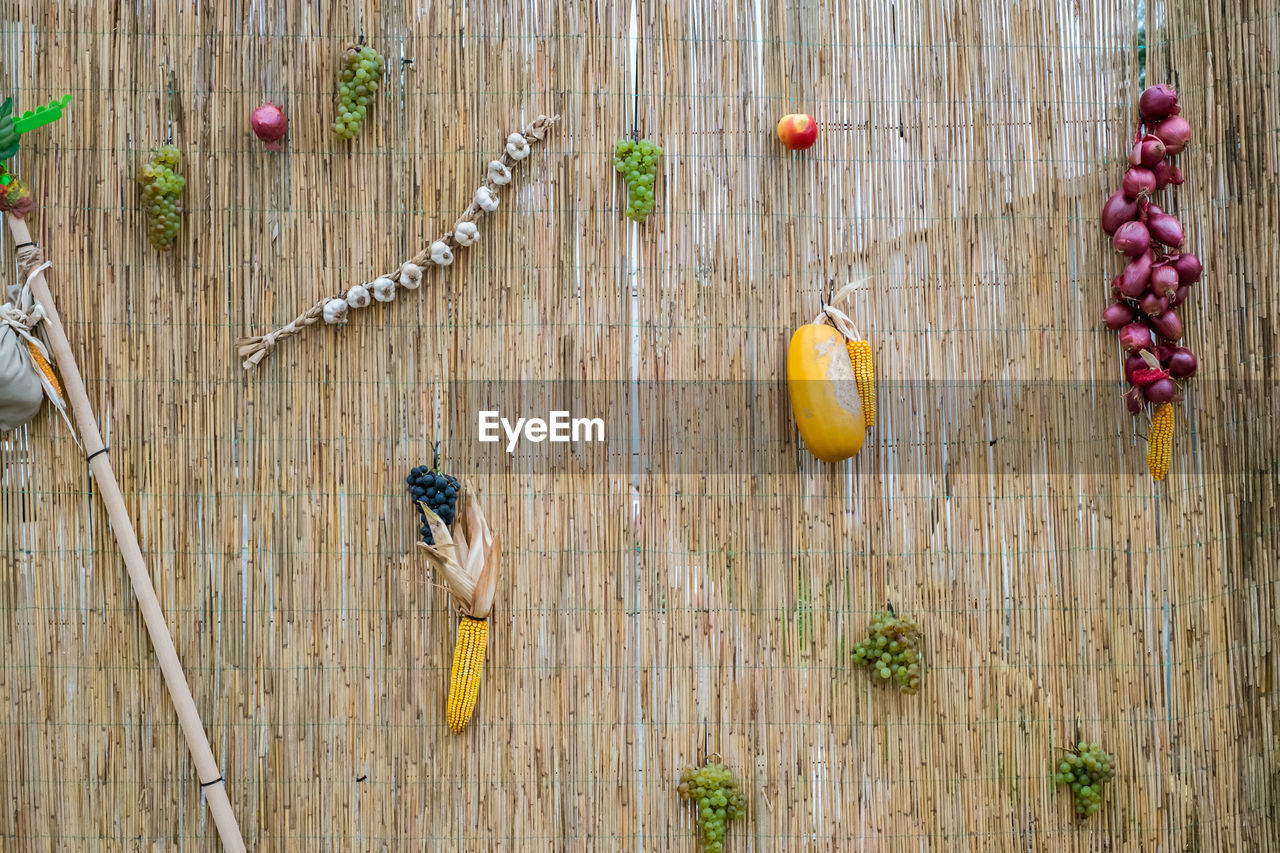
(254, 349)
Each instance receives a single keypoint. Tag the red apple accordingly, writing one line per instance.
(798, 131)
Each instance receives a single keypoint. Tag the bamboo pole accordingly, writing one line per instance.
(211, 782)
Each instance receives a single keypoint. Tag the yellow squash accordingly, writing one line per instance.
(824, 393)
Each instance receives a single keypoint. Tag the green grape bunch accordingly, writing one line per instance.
(357, 86)
(892, 651)
(714, 793)
(160, 185)
(637, 161)
(1085, 768)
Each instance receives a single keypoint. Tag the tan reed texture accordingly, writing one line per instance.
(1002, 497)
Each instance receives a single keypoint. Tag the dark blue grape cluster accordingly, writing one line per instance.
(436, 490)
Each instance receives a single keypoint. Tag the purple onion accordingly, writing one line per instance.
(1134, 400)
(1135, 336)
(1163, 352)
(1132, 239)
(1165, 228)
(1164, 280)
(1136, 275)
(1175, 132)
(1117, 211)
(1139, 181)
(1162, 171)
(1162, 391)
(1132, 364)
(1117, 315)
(1180, 296)
(1148, 152)
(1188, 267)
(1157, 102)
(1151, 304)
(1182, 363)
(1175, 176)
(1167, 325)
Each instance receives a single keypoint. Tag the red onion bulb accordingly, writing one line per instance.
(1164, 280)
(1117, 211)
(269, 124)
(1182, 363)
(1165, 228)
(1117, 315)
(1175, 132)
(1135, 336)
(1134, 400)
(1132, 238)
(1139, 181)
(1162, 391)
(1167, 325)
(1157, 102)
(1189, 268)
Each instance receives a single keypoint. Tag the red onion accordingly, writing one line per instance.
(269, 124)
(1134, 400)
(1180, 296)
(1147, 152)
(1162, 171)
(1175, 132)
(1167, 325)
(1175, 175)
(1117, 211)
(1136, 275)
(1151, 304)
(1182, 363)
(1164, 351)
(1117, 315)
(1152, 209)
(1132, 238)
(1164, 280)
(1166, 229)
(1139, 181)
(1133, 363)
(1188, 267)
(1162, 391)
(1134, 337)
(1157, 102)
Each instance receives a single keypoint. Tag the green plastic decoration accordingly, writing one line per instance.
(11, 128)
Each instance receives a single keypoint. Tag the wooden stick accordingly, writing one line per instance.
(211, 782)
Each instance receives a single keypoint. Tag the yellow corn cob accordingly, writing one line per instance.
(1160, 441)
(46, 368)
(865, 375)
(468, 664)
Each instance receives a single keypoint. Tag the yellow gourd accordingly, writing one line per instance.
(824, 392)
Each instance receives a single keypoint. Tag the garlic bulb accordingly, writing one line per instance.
(499, 174)
(441, 253)
(384, 289)
(486, 199)
(358, 296)
(410, 276)
(466, 233)
(335, 311)
(517, 147)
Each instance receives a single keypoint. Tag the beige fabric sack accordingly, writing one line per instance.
(21, 391)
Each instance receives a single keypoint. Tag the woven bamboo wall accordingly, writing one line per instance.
(654, 607)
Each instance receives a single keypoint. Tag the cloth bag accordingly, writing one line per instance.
(21, 389)
(26, 370)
